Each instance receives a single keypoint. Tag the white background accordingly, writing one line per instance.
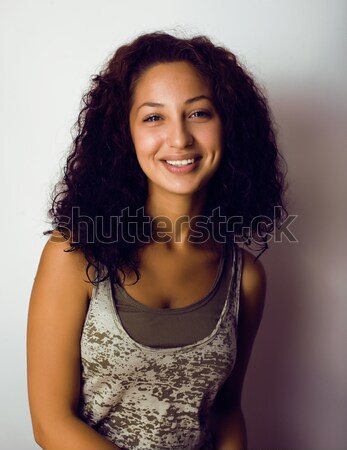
(295, 392)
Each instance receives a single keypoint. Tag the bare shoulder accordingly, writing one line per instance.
(253, 285)
(253, 272)
(60, 291)
(57, 251)
(63, 268)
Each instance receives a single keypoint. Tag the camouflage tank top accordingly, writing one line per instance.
(145, 398)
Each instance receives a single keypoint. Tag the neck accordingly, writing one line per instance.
(174, 214)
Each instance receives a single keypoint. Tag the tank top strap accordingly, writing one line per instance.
(233, 293)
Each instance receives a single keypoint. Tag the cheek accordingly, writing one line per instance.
(212, 138)
(146, 143)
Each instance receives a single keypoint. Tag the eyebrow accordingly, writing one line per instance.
(187, 102)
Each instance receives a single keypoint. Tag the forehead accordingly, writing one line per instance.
(177, 78)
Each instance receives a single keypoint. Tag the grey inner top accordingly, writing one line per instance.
(165, 328)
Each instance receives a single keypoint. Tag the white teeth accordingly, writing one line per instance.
(181, 162)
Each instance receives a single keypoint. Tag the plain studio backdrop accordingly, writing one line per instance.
(295, 392)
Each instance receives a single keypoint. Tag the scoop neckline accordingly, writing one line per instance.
(183, 348)
(184, 309)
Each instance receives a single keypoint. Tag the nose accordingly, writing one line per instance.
(179, 135)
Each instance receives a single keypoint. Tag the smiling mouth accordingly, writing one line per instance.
(181, 162)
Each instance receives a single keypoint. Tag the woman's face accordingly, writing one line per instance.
(175, 128)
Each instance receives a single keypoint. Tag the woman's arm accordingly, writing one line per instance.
(229, 422)
(58, 307)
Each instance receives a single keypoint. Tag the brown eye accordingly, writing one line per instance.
(201, 114)
(153, 118)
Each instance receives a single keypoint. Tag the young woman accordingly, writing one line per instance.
(144, 308)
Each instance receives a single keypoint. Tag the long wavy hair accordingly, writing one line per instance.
(102, 177)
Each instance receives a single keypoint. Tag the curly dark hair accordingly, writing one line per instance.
(102, 176)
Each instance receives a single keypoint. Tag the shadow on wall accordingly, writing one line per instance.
(295, 395)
